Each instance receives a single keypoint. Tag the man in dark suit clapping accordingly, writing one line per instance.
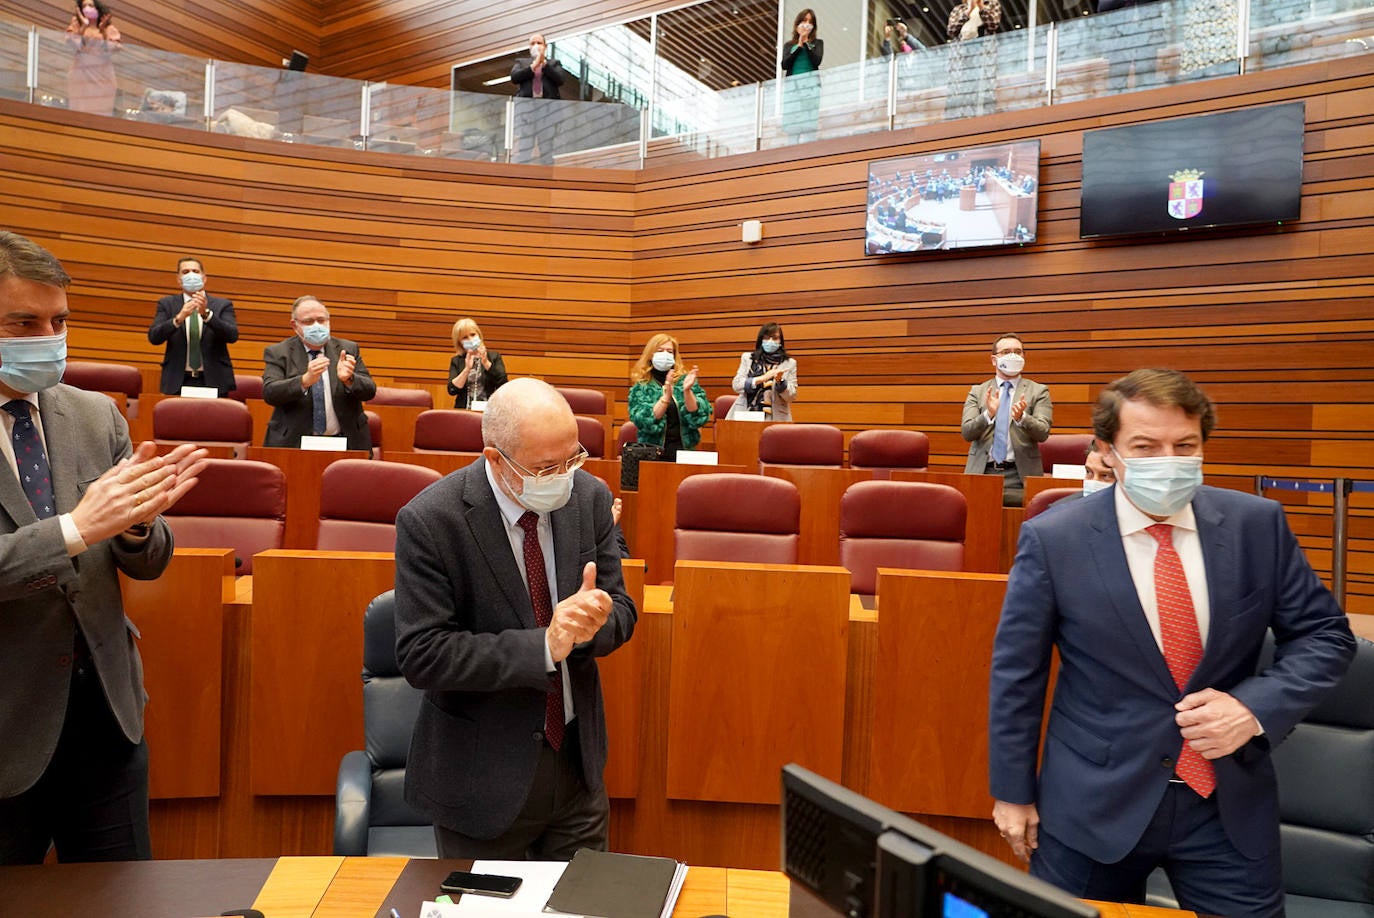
(197, 329)
(316, 383)
(508, 587)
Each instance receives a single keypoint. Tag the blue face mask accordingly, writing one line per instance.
(1161, 485)
(770, 346)
(192, 282)
(316, 335)
(1092, 486)
(33, 364)
(472, 344)
(664, 361)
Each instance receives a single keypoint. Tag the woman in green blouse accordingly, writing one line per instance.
(667, 404)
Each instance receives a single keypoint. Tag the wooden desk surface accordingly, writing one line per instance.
(349, 887)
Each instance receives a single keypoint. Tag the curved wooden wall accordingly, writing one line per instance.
(258, 32)
(569, 271)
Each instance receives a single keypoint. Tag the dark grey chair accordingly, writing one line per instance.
(1326, 802)
(371, 816)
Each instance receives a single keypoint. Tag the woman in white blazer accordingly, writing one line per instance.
(767, 377)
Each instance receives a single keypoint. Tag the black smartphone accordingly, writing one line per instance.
(482, 884)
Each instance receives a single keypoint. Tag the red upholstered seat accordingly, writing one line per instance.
(1048, 498)
(1064, 449)
(889, 449)
(106, 377)
(236, 504)
(629, 433)
(448, 430)
(203, 421)
(359, 500)
(585, 401)
(802, 444)
(732, 517)
(591, 433)
(912, 525)
(246, 387)
(389, 395)
(723, 405)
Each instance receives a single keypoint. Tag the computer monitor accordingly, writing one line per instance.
(867, 861)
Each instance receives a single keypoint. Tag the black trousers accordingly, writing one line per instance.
(92, 801)
(560, 815)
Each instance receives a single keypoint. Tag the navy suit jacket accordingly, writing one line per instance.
(466, 635)
(1112, 740)
(216, 335)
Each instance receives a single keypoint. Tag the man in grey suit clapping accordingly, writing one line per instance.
(1006, 418)
(78, 507)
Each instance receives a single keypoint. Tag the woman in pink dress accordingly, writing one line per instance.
(91, 80)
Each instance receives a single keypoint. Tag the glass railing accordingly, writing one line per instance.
(1140, 47)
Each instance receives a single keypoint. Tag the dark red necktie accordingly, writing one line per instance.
(1182, 644)
(538, 580)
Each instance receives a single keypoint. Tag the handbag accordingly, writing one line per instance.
(631, 455)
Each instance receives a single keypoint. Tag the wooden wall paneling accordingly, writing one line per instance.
(738, 631)
(307, 658)
(622, 687)
(180, 617)
(260, 33)
(933, 663)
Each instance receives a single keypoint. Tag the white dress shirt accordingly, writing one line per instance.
(510, 515)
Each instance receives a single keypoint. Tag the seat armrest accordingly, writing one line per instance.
(352, 804)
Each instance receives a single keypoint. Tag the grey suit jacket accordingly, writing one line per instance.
(781, 401)
(466, 635)
(1025, 437)
(284, 364)
(43, 592)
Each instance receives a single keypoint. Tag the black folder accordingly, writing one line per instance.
(612, 885)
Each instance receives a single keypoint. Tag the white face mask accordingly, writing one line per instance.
(1092, 486)
(33, 363)
(664, 361)
(1011, 364)
(1161, 485)
(547, 494)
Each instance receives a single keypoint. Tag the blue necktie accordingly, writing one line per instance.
(1001, 426)
(32, 462)
(317, 396)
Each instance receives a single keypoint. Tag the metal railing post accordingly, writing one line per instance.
(1242, 32)
(510, 128)
(1051, 63)
(1340, 522)
(758, 116)
(31, 70)
(208, 105)
(892, 90)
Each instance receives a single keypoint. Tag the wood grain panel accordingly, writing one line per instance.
(932, 669)
(726, 648)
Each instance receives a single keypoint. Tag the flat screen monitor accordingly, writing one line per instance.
(864, 860)
(956, 199)
(1233, 168)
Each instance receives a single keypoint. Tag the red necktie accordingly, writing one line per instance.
(538, 580)
(1182, 644)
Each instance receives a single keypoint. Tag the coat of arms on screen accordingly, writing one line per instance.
(1185, 193)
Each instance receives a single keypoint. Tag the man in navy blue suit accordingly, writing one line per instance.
(1158, 593)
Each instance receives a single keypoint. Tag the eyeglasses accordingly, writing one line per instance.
(1011, 350)
(562, 468)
